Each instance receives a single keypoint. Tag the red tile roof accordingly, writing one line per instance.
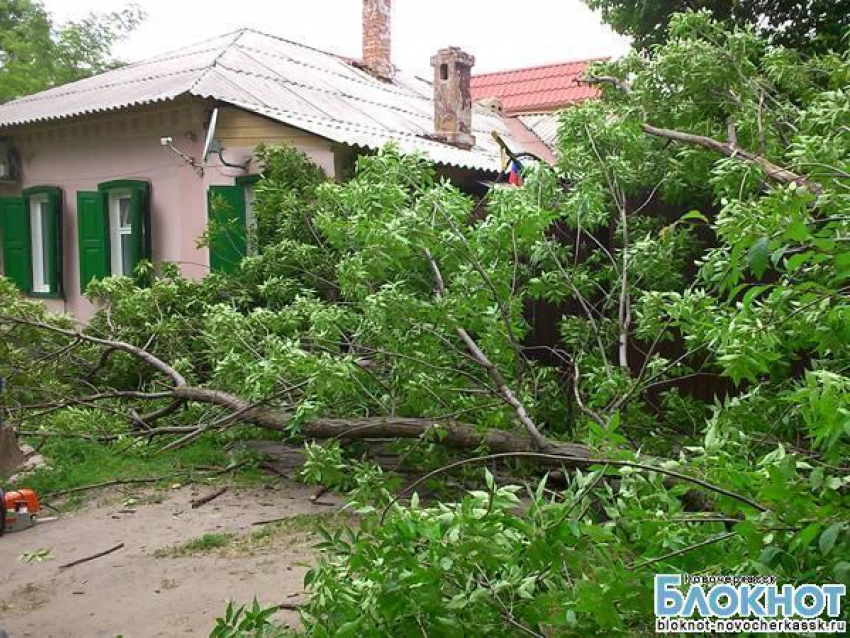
(535, 89)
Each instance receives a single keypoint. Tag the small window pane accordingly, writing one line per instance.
(45, 244)
(126, 263)
(124, 212)
(121, 232)
(40, 243)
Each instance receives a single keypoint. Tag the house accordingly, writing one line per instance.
(102, 173)
(534, 95)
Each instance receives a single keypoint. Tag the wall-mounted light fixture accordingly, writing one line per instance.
(168, 142)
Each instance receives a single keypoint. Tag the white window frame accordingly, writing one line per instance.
(116, 231)
(40, 283)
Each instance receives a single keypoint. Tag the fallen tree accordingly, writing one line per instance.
(452, 433)
(674, 319)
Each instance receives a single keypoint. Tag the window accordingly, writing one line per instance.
(113, 229)
(40, 212)
(121, 231)
(32, 240)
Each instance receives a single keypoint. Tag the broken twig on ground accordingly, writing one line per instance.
(150, 479)
(319, 493)
(92, 557)
(200, 502)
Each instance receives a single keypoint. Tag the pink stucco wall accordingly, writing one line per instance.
(80, 154)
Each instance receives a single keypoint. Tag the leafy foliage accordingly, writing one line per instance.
(699, 325)
(811, 26)
(36, 54)
(750, 286)
(253, 620)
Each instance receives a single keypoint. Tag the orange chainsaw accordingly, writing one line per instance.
(19, 510)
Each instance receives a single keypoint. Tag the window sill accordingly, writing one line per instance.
(45, 295)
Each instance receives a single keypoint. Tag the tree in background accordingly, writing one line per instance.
(813, 26)
(36, 53)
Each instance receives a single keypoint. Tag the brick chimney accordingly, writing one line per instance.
(377, 38)
(453, 97)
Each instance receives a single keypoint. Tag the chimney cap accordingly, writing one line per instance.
(453, 97)
(453, 54)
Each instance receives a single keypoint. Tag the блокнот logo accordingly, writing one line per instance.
(713, 604)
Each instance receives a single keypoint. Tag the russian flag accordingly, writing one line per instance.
(514, 176)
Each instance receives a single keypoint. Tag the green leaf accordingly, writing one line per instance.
(349, 629)
(795, 261)
(694, 215)
(809, 533)
(816, 478)
(777, 255)
(842, 571)
(458, 601)
(842, 261)
(540, 492)
(768, 554)
(759, 256)
(828, 538)
(752, 293)
(798, 231)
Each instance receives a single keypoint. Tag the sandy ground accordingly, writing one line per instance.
(132, 592)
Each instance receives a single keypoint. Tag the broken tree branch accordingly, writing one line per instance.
(151, 479)
(93, 557)
(732, 150)
(555, 459)
(576, 380)
(452, 433)
(684, 550)
(492, 371)
(139, 353)
(617, 83)
(289, 606)
(199, 502)
(156, 415)
(130, 481)
(624, 313)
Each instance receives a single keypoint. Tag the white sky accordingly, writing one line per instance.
(502, 34)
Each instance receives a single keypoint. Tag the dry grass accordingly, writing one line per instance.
(291, 532)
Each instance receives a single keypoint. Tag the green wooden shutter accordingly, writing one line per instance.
(229, 237)
(140, 215)
(93, 236)
(17, 246)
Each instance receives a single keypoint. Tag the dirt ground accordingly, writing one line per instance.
(144, 590)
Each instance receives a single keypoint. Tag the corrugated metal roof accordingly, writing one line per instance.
(543, 125)
(316, 91)
(540, 88)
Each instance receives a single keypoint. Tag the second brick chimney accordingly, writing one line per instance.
(453, 97)
(377, 38)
